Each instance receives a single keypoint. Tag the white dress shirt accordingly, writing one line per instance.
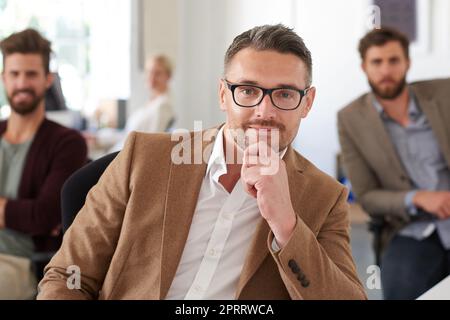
(219, 238)
(154, 117)
(221, 231)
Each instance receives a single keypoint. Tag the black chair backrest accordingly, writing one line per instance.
(170, 125)
(77, 186)
(54, 98)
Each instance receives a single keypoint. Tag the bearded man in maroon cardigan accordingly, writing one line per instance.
(36, 157)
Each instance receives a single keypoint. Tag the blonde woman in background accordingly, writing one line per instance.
(157, 114)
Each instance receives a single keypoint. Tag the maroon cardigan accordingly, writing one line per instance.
(56, 152)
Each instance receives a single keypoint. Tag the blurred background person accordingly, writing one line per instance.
(36, 157)
(395, 146)
(156, 115)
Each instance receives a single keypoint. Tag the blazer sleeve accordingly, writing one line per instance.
(40, 215)
(320, 267)
(89, 244)
(365, 184)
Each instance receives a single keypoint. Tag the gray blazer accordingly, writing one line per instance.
(379, 180)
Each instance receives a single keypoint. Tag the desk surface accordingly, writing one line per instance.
(441, 291)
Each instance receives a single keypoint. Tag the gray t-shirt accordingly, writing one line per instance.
(12, 162)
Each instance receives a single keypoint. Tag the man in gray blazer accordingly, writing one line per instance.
(396, 151)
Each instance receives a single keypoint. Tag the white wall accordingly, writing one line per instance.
(332, 32)
(330, 28)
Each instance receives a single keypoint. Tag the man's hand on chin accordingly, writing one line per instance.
(264, 177)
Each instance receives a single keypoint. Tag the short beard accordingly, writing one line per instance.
(26, 108)
(240, 133)
(391, 93)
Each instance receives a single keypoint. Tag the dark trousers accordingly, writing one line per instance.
(410, 267)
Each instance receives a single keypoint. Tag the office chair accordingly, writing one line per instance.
(54, 97)
(76, 188)
(38, 261)
(171, 125)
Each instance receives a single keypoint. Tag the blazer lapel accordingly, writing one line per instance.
(432, 111)
(379, 134)
(258, 250)
(185, 181)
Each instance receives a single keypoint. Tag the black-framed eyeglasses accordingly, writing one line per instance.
(248, 96)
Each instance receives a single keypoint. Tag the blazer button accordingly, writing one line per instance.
(301, 277)
(305, 283)
(293, 265)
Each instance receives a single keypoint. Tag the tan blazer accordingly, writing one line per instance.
(378, 178)
(128, 238)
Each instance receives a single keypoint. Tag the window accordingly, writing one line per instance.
(90, 40)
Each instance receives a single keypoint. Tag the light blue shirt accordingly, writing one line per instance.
(420, 154)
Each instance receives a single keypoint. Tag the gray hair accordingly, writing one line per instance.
(272, 37)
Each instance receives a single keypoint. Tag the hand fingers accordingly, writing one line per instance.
(56, 231)
(249, 177)
(259, 154)
(251, 190)
(441, 212)
(251, 155)
(446, 210)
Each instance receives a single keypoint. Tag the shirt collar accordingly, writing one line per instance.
(216, 163)
(413, 108)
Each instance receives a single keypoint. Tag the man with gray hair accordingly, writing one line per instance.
(232, 212)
